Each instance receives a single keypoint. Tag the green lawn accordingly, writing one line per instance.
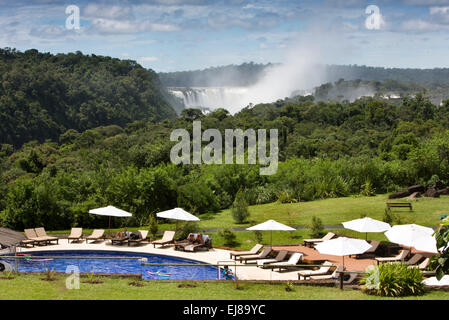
(426, 211)
(26, 287)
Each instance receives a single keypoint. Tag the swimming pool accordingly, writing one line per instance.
(118, 266)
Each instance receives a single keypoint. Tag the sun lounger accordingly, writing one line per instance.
(347, 277)
(311, 242)
(75, 234)
(143, 236)
(119, 240)
(371, 252)
(279, 258)
(265, 252)
(323, 270)
(42, 234)
(32, 236)
(414, 260)
(199, 242)
(291, 263)
(167, 238)
(423, 267)
(253, 251)
(400, 257)
(96, 235)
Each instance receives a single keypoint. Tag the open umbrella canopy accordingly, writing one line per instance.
(110, 211)
(177, 214)
(409, 235)
(343, 246)
(271, 225)
(367, 225)
(426, 244)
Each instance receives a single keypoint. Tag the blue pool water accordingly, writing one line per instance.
(122, 266)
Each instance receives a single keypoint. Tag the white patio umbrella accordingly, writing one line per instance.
(412, 235)
(342, 247)
(367, 225)
(110, 211)
(177, 214)
(271, 226)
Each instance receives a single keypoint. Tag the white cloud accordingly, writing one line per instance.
(148, 59)
(108, 26)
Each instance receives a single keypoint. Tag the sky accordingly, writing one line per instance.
(177, 35)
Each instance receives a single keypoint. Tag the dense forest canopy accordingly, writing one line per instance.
(80, 132)
(327, 149)
(249, 73)
(43, 95)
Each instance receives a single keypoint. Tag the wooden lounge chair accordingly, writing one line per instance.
(327, 276)
(167, 238)
(32, 236)
(96, 235)
(423, 267)
(371, 252)
(265, 252)
(42, 234)
(291, 263)
(253, 251)
(325, 268)
(143, 236)
(279, 258)
(400, 257)
(347, 277)
(76, 234)
(119, 239)
(311, 242)
(414, 260)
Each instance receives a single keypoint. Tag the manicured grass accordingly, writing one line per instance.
(426, 211)
(25, 287)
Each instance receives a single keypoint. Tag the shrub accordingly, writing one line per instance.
(317, 229)
(240, 211)
(186, 228)
(153, 225)
(258, 236)
(393, 280)
(229, 237)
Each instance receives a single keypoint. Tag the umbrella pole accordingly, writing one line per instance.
(109, 227)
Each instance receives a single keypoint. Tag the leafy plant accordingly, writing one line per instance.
(258, 236)
(441, 261)
(393, 280)
(240, 211)
(229, 237)
(49, 274)
(317, 229)
(289, 286)
(186, 228)
(153, 225)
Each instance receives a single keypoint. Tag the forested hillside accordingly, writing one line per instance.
(43, 95)
(327, 149)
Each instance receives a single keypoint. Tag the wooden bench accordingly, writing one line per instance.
(399, 205)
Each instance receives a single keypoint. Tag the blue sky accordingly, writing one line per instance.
(170, 35)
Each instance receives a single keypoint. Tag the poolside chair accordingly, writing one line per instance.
(31, 235)
(253, 251)
(311, 242)
(143, 236)
(325, 268)
(167, 238)
(423, 267)
(202, 242)
(347, 278)
(96, 235)
(42, 234)
(75, 234)
(265, 252)
(279, 258)
(291, 263)
(119, 239)
(414, 260)
(371, 252)
(400, 257)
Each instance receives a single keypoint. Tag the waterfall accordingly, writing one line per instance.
(211, 97)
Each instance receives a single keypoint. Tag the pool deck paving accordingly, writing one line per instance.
(214, 256)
